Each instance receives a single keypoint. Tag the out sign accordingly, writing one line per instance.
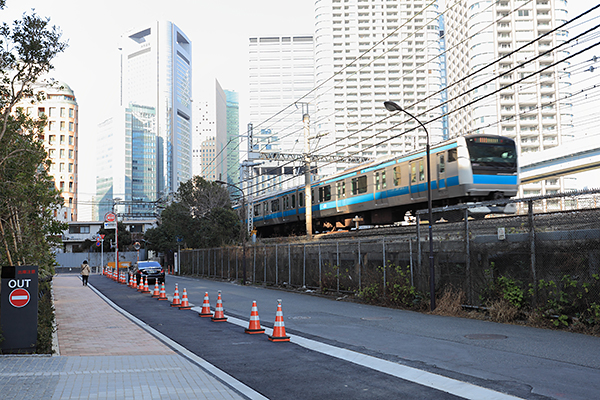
(19, 298)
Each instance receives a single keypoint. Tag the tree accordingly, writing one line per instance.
(28, 198)
(202, 217)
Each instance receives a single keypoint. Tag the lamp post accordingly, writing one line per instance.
(243, 231)
(391, 106)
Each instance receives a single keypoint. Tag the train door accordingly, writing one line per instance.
(340, 198)
(417, 182)
(441, 174)
(380, 188)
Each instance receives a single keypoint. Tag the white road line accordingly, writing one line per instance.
(458, 388)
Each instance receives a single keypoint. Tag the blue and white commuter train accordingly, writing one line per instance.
(464, 169)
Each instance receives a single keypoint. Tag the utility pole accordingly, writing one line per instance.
(307, 177)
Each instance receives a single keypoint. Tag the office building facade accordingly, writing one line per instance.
(156, 72)
(281, 78)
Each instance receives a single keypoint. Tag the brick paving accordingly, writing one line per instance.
(103, 355)
(87, 326)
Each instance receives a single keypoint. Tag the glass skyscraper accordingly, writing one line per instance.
(156, 72)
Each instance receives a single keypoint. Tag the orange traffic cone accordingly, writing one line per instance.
(134, 281)
(163, 294)
(205, 312)
(156, 292)
(145, 289)
(254, 326)
(185, 305)
(279, 328)
(219, 316)
(176, 302)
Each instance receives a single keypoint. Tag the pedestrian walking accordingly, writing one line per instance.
(85, 272)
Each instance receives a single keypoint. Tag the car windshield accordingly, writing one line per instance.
(151, 264)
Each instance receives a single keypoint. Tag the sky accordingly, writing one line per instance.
(219, 31)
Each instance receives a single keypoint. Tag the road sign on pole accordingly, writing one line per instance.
(110, 225)
(110, 217)
(19, 298)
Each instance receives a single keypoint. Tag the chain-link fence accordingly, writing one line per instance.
(545, 255)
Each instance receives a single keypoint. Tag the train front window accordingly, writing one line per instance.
(491, 154)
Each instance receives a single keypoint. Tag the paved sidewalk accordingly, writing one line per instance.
(104, 355)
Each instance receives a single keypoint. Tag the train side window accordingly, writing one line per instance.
(441, 164)
(257, 210)
(286, 203)
(312, 196)
(324, 193)
(301, 199)
(377, 184)
(421, 171)
(275, 205)
(265, 208)
(397, 176)
(341, 189)
(413, 173)
(359, 185)
(452, 155)
(293, 201)
(383, 183)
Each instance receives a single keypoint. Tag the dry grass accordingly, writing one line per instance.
(502, 311)
(450, 304)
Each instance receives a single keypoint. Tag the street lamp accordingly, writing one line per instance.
(243, 230)
(391, 106)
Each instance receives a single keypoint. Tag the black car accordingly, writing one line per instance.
(151, 270)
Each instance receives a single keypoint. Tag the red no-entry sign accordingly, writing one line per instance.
(19, 298)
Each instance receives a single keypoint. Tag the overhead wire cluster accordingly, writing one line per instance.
(589, 35)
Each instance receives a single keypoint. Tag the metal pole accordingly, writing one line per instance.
(391, 106)
(304, 267)
(307, 179)
(276, 268)
(384, 288)
(337, 251)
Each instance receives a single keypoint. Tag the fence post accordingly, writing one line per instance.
(276, 267)
(384, 263)
(320, 282)
(468, 259)
(236, 264)
(420, 266)
(304, 267)
(410, 260)
(254, 266)
(359, 266)
(215, 253)
(289, 265)
(265, 274)
(532, 250)
(222, 262)
(337, 252)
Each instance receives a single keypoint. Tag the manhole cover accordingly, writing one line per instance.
(485, 336)
(299, 317)
(375, 318)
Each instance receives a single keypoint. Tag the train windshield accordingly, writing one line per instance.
(492, 154)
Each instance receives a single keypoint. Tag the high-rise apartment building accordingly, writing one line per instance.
(208, 150)
(60, 141)
(156, 72)
(482, 38)
(281, 78)
(368, 52)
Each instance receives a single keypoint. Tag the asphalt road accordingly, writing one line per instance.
(523, 362)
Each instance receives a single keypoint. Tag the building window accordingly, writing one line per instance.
(62, 153)
(51, 139)
(71, 153)
(62, 112)
(71, 127)
(52, 112)
(71, 167)
(71, 140)
(62, 139)
(62, 125)
(61, 167)
(71, 113)
(51, 125)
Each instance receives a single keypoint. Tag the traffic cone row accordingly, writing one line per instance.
(254, 327)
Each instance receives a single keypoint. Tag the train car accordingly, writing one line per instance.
(465, 169)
